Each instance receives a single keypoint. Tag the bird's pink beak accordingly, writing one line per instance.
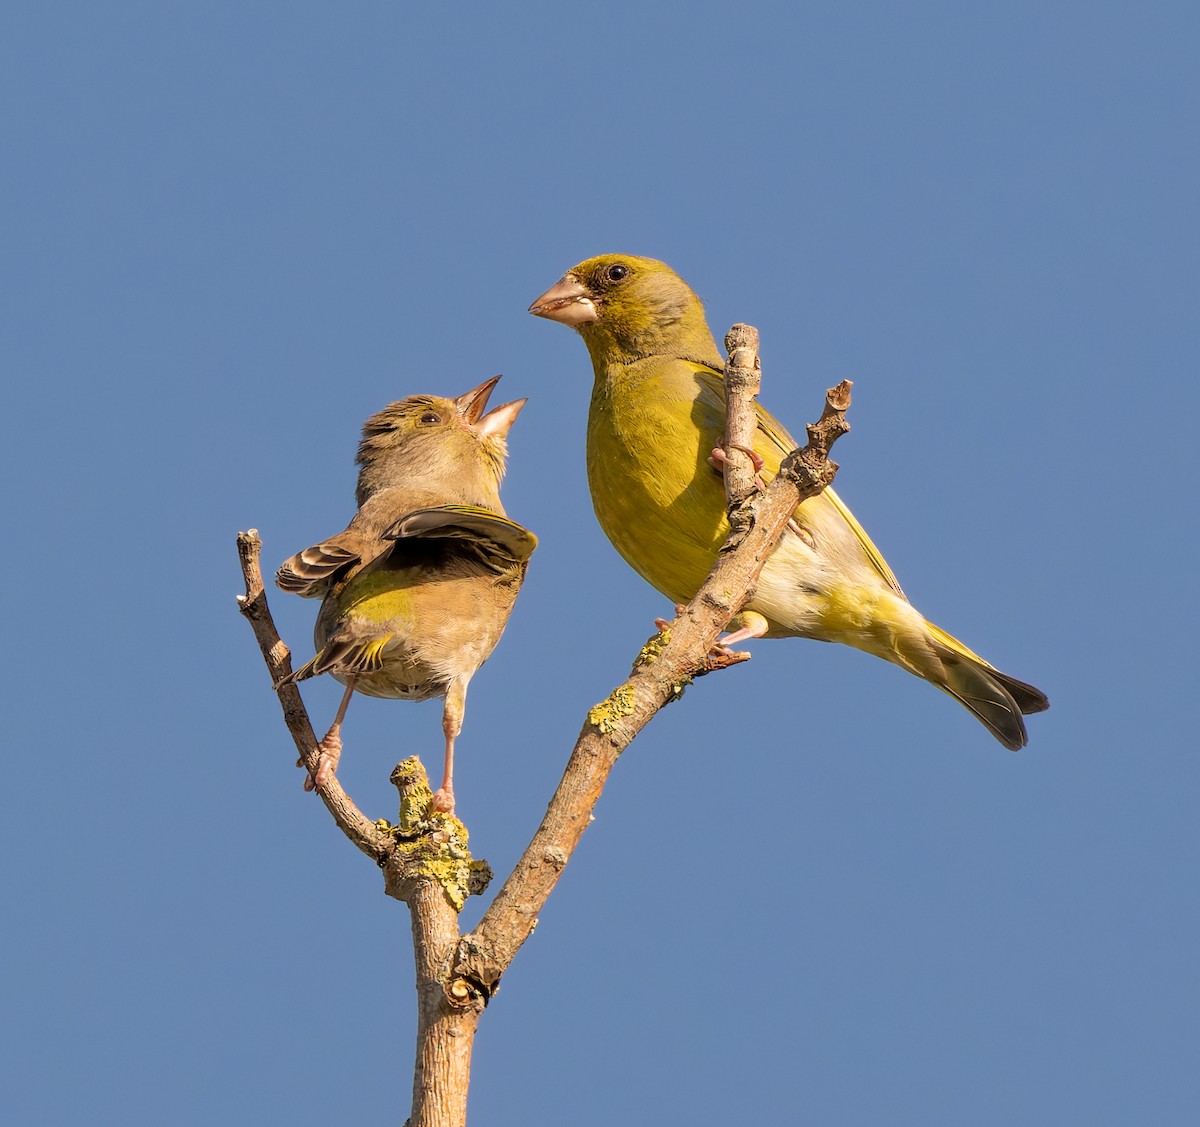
(471, 403)
(567, 301)
(498, 421)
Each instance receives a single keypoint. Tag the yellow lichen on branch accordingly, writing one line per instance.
(608, 714)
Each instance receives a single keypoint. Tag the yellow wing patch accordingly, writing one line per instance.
(782, 444)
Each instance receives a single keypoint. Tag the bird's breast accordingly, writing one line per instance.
(651, 430)
(656, 496)
(441, 622)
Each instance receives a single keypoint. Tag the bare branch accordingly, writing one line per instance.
(743, 377)
(253, 604)
(425, 863)
(668, 662)
(433, 873)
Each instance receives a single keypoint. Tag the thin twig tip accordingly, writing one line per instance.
(839, 397)
(741, 336)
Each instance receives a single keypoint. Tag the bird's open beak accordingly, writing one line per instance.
(567, 301)
(471, 403)
(496, 423)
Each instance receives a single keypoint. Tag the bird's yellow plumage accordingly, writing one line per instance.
(657, 412)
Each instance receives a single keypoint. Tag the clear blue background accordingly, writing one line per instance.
(816, 891)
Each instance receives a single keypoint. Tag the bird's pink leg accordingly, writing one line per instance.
(330, 746)
(753, 625)
(452, 722)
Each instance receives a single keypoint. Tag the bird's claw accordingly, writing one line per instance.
(664, 623)
(719, 649)
(752, 625)
(329, 752)
(442, 801)
(719, 457)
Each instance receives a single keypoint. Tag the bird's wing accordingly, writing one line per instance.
(310, 572)
(498, 535)
(713, 389)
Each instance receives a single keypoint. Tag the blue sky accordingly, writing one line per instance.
(816, 890)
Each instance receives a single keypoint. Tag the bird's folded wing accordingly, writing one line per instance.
(777, 433)
(496, 534)
(310, 572)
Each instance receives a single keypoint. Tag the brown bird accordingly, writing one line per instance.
(418, 589)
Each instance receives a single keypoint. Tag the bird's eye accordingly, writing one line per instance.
(431, 417)
(617, 272)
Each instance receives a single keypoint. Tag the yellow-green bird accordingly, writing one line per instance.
(418, 589)
(658, 414)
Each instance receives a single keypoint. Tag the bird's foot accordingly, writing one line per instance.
(718, 458)
(720, 649)
(330, 749)
(663, 623)
(798, 529)
(442, 800)
(751, 624)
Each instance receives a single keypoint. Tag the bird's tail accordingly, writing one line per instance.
(997, 699)
(307, 670)
(347, 658)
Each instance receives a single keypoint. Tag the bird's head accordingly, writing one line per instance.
(626, 307)
(442, 444)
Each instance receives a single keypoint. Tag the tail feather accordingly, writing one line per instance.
(997, 699)
(1029, 699)
(307, 670)
(345, 657)
(987, 697)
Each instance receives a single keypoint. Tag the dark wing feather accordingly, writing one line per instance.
(490, 531)
(309, 573)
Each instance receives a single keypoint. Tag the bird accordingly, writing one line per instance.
(419, 587)
(654, 442)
